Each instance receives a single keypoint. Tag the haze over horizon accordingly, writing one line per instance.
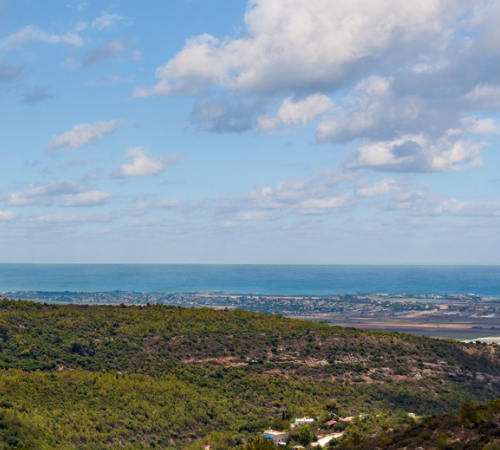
(260, 131)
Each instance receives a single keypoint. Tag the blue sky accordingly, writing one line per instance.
(261, 131)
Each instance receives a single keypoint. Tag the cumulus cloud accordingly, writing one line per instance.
(403, 69)
(66, 193)
(142, 165)
(84, 134)
(375, 111)
(30, 34)
(406, 133)
(297, 112)
(419, 154)
(309, 44)
(6, 216)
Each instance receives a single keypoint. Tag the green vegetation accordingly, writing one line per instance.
(141, 377)
(475, 427)
(305, 435)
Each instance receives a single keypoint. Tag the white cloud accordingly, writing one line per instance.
(382, 187)
(165, 89)
(296, 113)
(407, 200)
(319, 194)
(7, 215)
(376, 111)
(142, 165)
(435, 206)
(366, 111)
(409, 63)
(421, 203)
(297, 44)
(325, 205)
(485, 95)
(88, 198)
(419, 154)
(84, 134)
(106, 21)
(33, 34)
(481, 126)
(66, 193)
(403, 69)
(71, 219)
(455, 207)
(42, 193)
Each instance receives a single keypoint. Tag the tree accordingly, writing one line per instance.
(352, 437)
(305, 435)
(333, 407)
(260, 443)
(311, 412)
(468, 415)
(492, 446)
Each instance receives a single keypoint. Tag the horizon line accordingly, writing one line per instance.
(460, 264)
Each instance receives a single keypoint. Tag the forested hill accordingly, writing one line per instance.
(92, 377)
(474, 427)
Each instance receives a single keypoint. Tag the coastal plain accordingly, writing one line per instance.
(462, 317)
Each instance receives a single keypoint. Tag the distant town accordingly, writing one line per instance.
(467, 316)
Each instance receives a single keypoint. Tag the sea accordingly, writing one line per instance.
(252, 279)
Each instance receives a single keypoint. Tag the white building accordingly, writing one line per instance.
(277, 437)
(302, 421)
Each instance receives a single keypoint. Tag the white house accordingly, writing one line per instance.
(302, 421)
(277, 437)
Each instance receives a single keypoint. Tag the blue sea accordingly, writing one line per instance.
(252, 279)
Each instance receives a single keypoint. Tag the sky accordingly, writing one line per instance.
(259, 131)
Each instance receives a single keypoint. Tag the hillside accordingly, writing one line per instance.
(92, 377)
(474, 427)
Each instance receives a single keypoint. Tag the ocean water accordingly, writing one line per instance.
(252, 279)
